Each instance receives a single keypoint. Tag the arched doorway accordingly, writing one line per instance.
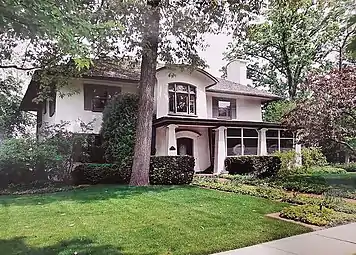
(185, 146)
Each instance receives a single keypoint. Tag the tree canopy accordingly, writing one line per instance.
(291, 38)
(328, 113)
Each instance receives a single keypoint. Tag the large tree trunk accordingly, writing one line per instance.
(141, 160)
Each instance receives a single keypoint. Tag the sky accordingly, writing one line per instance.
(214, 54)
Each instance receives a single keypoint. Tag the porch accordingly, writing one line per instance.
(210, 141)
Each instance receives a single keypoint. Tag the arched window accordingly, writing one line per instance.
(182, 98)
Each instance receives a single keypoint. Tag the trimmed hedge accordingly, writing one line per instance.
(260, 166)
(164, 170)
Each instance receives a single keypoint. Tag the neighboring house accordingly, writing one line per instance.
(195, 113)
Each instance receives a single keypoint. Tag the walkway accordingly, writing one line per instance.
(333, 241)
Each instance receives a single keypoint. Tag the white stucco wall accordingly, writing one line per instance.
(200, 138)
(71, 108)
(197, 79)
(247, 108)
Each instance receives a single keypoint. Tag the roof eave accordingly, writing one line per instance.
(267, 97)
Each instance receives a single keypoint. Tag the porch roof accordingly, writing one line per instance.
(213, 122)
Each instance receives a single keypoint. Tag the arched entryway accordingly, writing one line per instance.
(185, 146)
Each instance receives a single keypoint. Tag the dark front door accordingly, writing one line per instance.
(185, 146)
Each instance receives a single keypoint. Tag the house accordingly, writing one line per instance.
(195, 113)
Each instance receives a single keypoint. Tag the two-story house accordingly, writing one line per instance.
(195, 113)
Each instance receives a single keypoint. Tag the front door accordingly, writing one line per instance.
(185, 146)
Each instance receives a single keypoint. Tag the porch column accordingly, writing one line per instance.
(220, 150)
(298, 155)
(263, 142)
(171, 140)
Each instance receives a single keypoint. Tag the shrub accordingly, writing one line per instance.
(164, 170)
(119, 127)
(26, 160)
(260, 166)
(288, 163)
(101, 174)
(316, 215)
(313, 157)
(167, 170)
(351, 167)
(325, 170)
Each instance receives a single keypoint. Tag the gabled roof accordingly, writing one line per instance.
(229, 87)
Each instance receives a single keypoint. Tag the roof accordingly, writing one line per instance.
(110, 70)
(163, 121)
(230, 87)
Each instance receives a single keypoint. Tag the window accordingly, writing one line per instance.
(224, 108)
(44, 107)
(97, 96)
(52, 103)
(279, 140)
(182, 98)
(242, 141)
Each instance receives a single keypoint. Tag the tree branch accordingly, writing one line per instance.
(18, 67)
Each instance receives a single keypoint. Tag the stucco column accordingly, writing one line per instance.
(298, 155)
(220, 150)
(263, 142)
(171, 140)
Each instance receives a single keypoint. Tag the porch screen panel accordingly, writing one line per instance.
(279, 140)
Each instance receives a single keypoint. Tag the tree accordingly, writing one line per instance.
(328, 113)
(48, 31)
(118, 128)
(292, 38)
(276, 110)
(172, 32)
(12, 121)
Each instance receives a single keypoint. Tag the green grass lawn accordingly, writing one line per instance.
(127, 220)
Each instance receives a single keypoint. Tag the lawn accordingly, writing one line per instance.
(127, 220)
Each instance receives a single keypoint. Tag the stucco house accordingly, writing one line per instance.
(195, 113)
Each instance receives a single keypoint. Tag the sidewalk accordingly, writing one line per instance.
(333, 241)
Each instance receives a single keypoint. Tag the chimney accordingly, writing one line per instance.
(236, 71)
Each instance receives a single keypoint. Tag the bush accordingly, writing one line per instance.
(119, 127)
(167, 170)
(351, 167)
(316, 215)
(101, 174)
(325, 170)
(25, 160)
(164, 170)
(313, 157)
(260, 166)
(288, 162)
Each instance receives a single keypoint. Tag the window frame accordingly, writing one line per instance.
(279, 138)
(242, 137)
(88, 91)
(189, 94)
(215, 108)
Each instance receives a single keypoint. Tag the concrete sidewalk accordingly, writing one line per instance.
(333, 241)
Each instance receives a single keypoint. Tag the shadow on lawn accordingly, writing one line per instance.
(87, 194)
(18, 246)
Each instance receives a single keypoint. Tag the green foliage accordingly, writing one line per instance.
(168, 170)
(316, 215)
(288, 163)
(164, 170)
(293, 36)
(12, 120)
(257, 191)
(313, 157)
(351, 167)
(119, 127)
(325, 170)
(25, 160)
(260, 166)
(276, 110)
(101, 174)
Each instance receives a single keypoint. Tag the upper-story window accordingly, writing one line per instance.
(182, 98)
(97, 96)
(224, 108)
